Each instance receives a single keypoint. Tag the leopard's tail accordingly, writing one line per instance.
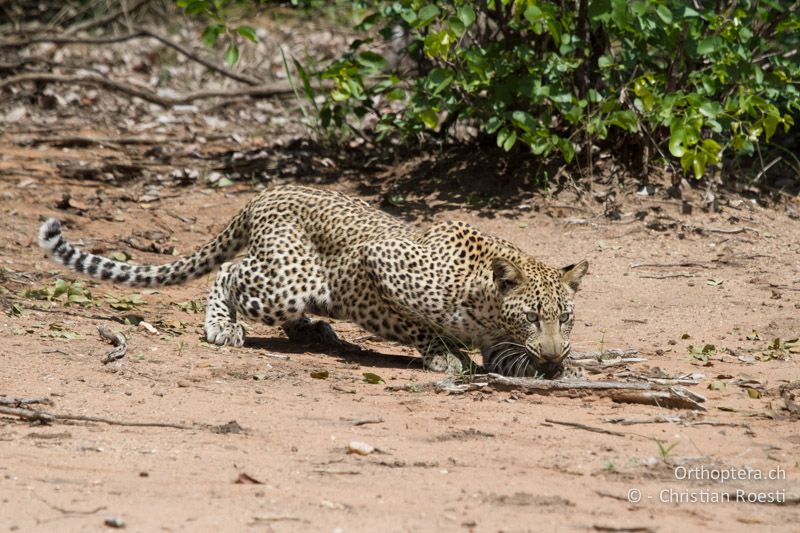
(221, 248)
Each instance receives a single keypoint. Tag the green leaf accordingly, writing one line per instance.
(677, 139)
(600, 10)
(533, 13)
(373, 379)
(524, 121)
(371, 60)
(624, 119)
(429, 118)
(439, 79)
(197, 7)
(396, 94)
(466, 15)
(710, 109)
(79, 298)
(566, 149)
(211, 34)
(248, 33)
(60, 288)
(426, 15)
(508, 144)
(232, 55)
(664, 14)
(321, 374)
(456, 26)
(708, 45)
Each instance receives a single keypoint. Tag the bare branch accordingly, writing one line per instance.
(188, 53)
(138, 33)
(265, 91)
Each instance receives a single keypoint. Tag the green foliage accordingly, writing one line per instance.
(74, 292)
(216, 13)
(694, 82)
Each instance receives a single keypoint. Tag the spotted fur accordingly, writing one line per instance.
(315, 252)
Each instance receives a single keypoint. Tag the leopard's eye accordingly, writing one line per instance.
(532, 316)
(564, 318)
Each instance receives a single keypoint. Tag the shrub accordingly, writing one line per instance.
(693, 82)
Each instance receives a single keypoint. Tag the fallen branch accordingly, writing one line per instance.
(674, 397)
(602, 364)
(618, 391)
(80, 140)
(585, 427)
(614, 352)
(118, 340)
(16, 402)
(28, 414)
(93, 80)
(46, 418)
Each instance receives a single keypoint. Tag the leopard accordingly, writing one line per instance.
(294, 252)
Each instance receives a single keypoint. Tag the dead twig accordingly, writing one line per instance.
(659, 419)
(118, 340)
(784, 287)
(94, 80)
(366, 421)
(585, 427)
(672, 265)
(46, 418)
(669, 275)
(16, 402)
(604, 494)
(69, 511)
(727, 231)
(28, 414)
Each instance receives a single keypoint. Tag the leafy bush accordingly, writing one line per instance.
(694, 81)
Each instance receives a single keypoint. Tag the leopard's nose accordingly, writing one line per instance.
(551, 350)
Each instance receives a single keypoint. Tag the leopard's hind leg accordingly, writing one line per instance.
(220, 325)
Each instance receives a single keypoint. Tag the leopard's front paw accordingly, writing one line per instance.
(225, 334)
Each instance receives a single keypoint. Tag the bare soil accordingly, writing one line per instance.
(700, 293)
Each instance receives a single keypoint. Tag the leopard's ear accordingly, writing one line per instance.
(506, 274)
(571, 275)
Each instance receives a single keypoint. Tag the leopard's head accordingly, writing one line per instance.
(536, 314)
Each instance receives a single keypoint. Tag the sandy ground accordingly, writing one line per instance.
(482, 461)
(702, 295)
